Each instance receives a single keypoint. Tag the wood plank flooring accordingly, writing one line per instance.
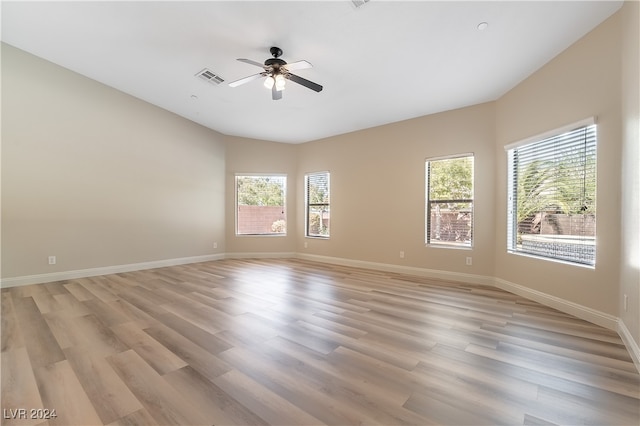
(291, 342)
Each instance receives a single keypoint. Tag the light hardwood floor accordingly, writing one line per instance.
(291, 342)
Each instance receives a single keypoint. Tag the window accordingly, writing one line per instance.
(552, 195)
(317, 201)
(449, 204)
(260, 205)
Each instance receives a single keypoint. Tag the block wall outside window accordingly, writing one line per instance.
(261, 205)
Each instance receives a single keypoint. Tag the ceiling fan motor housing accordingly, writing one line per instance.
(275, 63)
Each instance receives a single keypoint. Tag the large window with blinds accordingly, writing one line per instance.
(449, 201)
(318, 214)
(552, 195)
(260, 205)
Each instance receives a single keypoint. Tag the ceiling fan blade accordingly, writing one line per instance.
(300, 65)
(249, 61)
(276, 94)
(303, 81)
(246, 79)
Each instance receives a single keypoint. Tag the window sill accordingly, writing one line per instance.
(448, 246)
(550, 259)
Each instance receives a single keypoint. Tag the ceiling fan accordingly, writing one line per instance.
(277, 72)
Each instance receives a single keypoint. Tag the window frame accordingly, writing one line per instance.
(429, 242)
(308, 205)
(584, 254)
(284, 207)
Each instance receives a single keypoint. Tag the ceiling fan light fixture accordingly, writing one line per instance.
(268, 82)
(280, 82)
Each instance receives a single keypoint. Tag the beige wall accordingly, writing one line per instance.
(581, 82)
(99, 178)
(255, 156)
(630, 207)
(378, 188)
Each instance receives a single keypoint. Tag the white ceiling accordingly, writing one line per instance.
(383, 62)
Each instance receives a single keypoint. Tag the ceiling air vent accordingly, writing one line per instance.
(359, 3)
(208, 75)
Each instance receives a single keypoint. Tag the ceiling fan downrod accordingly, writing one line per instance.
(276, 51)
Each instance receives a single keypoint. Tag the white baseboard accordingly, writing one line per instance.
(409, 270)
(105, 270)
(592, 315)
(631, 345)
(83, 273)
(260, 255)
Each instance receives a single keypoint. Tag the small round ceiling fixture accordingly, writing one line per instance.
(483, 26)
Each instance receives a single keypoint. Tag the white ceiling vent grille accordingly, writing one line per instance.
(359, 3)
(209, 76)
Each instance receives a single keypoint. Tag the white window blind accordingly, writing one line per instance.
(552, 196)
(318, 213)
(449, 201)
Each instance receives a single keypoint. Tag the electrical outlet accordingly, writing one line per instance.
(52, 260)
(401, 254)
(215, 245)
(626, 303)
(469, 261)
